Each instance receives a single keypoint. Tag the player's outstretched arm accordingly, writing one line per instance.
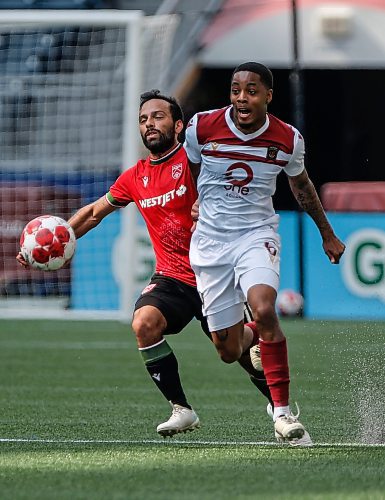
(90, 216)
(307, 198)
(85, 219)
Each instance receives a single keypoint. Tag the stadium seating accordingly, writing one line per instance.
(42, 51)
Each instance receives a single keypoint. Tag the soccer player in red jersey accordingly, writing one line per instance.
(235, 250)
(164, 191)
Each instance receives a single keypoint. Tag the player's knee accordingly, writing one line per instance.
(146, 330)
(264, 314)
(230, 356)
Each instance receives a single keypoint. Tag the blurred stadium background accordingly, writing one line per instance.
(68, 101)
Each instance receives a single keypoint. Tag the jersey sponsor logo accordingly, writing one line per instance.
(272, 152)
(176, 171)
(163, 199)
(237, 176)
(145, 180)
(181, 190)
(214, 146)
(148, 288)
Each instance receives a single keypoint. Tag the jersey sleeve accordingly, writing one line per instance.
(296, 164)
(120, 194)
(191, 144)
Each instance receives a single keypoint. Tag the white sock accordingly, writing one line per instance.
(280, 410)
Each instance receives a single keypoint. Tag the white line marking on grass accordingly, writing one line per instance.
(183, 442)
(36, 344)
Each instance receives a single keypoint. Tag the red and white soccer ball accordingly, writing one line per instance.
(289, 303)
(47, 242)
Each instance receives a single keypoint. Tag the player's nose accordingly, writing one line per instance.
(242, 97)
(149, 122)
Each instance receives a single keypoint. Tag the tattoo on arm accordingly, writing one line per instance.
(308, 200)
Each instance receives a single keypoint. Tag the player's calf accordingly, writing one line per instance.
(229, 342)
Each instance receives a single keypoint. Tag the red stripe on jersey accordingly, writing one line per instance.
(233, 155)
(212, 127)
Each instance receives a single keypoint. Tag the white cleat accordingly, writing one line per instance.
(304, 441)
(287, 427)
(182, 420)
(255, 356)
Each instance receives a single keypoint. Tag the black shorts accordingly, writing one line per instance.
(178, 302)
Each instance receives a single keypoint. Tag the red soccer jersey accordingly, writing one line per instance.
(164, 192)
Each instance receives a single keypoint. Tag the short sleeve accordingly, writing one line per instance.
(296, 164)
(193, 149)
(120, 194)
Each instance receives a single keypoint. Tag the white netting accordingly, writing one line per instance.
(61, 97)
(158, 36)
(66, 112)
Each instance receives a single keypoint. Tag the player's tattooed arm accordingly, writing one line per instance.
(307, 198)
(304, 192)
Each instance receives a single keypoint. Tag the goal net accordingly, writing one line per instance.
(69, 92)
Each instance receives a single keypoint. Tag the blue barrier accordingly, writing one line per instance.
(354, 289)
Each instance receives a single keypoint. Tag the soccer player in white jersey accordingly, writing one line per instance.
(235, 250)
(164, 190)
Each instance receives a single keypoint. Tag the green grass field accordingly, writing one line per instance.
(78, 416)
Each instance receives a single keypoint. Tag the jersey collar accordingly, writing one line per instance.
(241, 135)
(165, 158)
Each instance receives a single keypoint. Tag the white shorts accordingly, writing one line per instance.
(226, 270)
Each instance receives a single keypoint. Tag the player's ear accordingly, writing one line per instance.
(178, 126)
(269, 96)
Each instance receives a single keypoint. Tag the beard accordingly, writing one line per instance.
(160, 145)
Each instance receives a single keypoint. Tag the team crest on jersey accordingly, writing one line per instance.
(145, 180)
(272, 152)
(272, 249)
(176, 170)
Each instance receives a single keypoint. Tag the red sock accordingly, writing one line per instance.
(253, 327)
(276, 369)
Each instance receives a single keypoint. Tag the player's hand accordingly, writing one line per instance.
(334, 248)
(20, 259)
(194, 215)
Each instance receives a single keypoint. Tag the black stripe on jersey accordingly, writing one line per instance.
(166, 157)
(115, 203)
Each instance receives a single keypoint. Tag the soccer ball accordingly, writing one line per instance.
(289, 303)
(47, 242)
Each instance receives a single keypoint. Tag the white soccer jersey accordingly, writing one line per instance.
(238, 171)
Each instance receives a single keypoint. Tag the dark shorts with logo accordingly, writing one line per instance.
(178, 302)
